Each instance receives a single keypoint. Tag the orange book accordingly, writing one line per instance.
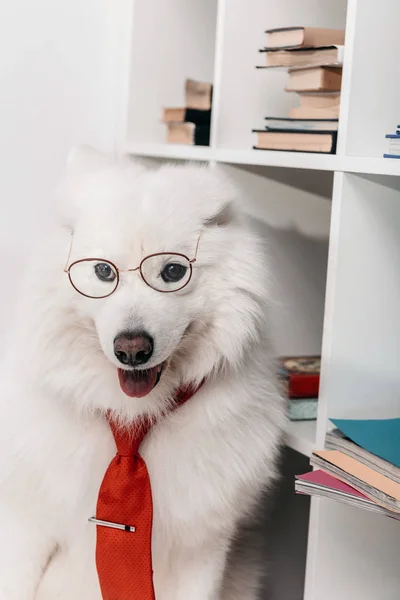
(377, 487)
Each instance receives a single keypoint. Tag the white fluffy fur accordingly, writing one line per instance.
(210, 460)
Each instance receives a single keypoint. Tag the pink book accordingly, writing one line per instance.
(324, 480)
(320, 484)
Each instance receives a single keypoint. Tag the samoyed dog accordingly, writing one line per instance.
(79, 352)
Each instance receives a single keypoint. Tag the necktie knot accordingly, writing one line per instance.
(127, 440)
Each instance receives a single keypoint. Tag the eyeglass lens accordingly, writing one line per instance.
(99, 278)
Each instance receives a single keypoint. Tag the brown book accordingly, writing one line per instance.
(296, 37)
(320, 100)
(173, 115)
(305, 112)
(298, 141)
(309, 57)
(198, 94)
(188, 115)
(315, 79)
(188, 134)
(317, 106)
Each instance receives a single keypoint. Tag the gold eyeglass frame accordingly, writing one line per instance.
(67, 269)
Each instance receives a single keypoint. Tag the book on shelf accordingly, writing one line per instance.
(186, 115)
(304, 57)
(320, 105)
(191, 123)
(337, 440)
(364, 454)
(295, 37)
(302, 409)
(188, 134)
(371, 483)
(198, 94)
(380, 437)
(301, 124)
(322, 485)
(296, 141)
(327, 79)
(392, 144)
(300, 375)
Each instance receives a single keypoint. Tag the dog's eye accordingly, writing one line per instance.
(105, 272)
(173, 272)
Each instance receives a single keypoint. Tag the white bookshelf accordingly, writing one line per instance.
(332, 223)
(300, 436)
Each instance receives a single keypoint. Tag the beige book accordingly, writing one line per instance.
(304, 112)
(180, 133)
(188, 133)
(316, 79)
(300, 142)
(374, 485)
(310, 57)
(320, 100)
(292, 37)
(173, 115)
(198, 94)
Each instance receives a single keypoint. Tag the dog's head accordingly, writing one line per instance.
(162, 273)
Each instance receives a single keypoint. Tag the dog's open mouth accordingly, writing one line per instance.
(138, 384)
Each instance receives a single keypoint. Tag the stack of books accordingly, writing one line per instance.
(300, 379)
(360, 466)
(314, 59)
(191, 123)
(393, 144)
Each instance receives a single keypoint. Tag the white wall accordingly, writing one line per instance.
(58, 85)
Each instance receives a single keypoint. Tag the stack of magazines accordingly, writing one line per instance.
(360, 465)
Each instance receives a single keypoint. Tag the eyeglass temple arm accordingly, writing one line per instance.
(197, 248)
(69, 254)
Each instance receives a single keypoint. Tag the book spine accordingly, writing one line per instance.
(303, 386)
(202, 135)
(198, 117)
(304, 409)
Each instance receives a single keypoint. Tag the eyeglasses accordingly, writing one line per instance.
(165, 272)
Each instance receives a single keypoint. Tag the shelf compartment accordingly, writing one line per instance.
(171, 41)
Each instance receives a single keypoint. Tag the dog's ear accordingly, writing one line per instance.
(223, 217)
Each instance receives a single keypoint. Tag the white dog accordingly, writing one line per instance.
(210, 459)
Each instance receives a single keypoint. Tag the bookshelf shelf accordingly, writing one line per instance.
(292, 160)
(296, 160)
(300, 436)
(331, 223)
(371, 165)
(174, 151)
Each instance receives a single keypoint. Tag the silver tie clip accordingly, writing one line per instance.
(120, 526)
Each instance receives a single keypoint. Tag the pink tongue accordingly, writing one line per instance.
(137, 384)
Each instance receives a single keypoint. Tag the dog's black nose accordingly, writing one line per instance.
(133, 348)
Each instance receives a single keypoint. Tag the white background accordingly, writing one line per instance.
(58, 85)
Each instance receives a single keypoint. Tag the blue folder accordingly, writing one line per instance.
(379, 436)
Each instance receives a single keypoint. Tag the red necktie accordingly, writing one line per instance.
(124, 518)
